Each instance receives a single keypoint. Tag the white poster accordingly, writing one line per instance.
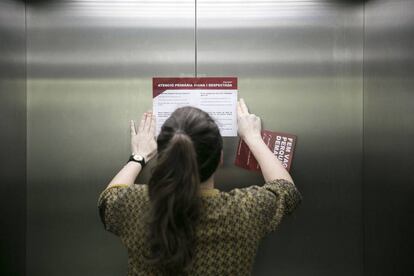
(217, 96)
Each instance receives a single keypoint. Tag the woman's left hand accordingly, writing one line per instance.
(143, 138)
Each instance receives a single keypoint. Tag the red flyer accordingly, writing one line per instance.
(281, 144)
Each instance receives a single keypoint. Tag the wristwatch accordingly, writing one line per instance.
(137, 158)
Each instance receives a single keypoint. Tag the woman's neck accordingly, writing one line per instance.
(208, 184)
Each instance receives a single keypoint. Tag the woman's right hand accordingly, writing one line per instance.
(249, 125)
(249, 130)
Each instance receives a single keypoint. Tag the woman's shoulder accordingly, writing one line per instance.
(270, 191)
(235, 197)
(129, 193)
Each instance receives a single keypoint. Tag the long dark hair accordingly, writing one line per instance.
(189, 150)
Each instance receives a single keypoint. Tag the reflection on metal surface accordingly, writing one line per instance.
(110, 39)
(280, 38)
(107, 39)
(12, 38)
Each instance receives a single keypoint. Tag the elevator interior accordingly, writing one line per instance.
(338, 74)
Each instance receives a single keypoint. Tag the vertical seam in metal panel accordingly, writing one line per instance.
(195, 38)
(363, 144)
(25, 250)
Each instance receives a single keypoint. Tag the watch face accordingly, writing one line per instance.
(137, 157)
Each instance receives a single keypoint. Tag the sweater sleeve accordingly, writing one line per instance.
(111, 206)
(271, 202)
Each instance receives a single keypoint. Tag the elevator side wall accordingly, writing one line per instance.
(12, 137)
(388, 137)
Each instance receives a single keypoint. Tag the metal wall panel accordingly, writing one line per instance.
(388, 137)
(12, 138)
(299, 65)
(90, 65)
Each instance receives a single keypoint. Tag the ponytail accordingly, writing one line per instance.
(173, 192)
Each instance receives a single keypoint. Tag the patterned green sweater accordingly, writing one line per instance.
(230, 229)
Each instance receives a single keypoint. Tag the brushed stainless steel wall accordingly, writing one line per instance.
(90, 65)
(299, 65)
(12, 137)
(388, 137)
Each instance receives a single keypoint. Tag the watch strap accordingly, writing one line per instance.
(142, 162)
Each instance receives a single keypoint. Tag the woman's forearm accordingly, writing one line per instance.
(127, 174)
(271, 167)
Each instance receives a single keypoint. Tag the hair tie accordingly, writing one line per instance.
(180, 131)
